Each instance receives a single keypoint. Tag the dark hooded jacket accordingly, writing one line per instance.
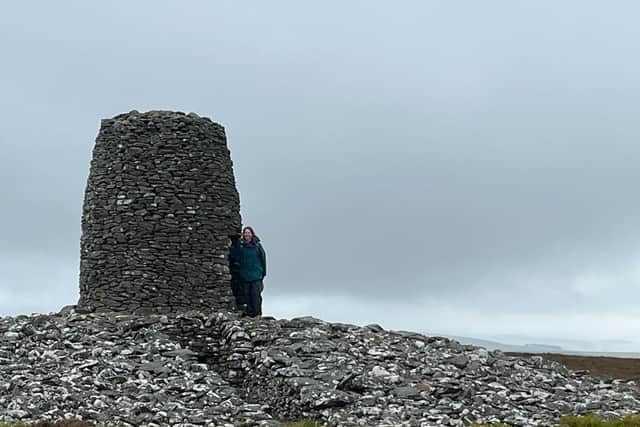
(253, 260)
(234, 258)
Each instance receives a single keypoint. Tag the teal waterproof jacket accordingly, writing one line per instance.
(253, 261)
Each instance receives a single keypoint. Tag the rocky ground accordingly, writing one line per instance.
(216, 369)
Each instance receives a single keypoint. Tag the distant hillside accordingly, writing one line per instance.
(537, 348)
(494, 345)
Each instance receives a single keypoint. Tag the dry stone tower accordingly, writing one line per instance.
(159, 206)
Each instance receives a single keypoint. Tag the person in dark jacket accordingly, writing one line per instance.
(234, 270)
(253, 269)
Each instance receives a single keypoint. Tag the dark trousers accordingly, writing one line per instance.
(253, 297)
(238, 290)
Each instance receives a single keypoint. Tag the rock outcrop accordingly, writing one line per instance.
(159, 206)
(216, 369)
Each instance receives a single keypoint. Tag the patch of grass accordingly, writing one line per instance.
(593, 421)
(586, 421)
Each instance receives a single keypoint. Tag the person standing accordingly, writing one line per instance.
(234, 270)
(253, 269)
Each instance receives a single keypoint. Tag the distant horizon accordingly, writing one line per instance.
(594, 347)
(541, 345)
(505, 343)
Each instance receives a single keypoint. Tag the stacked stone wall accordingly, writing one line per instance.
(160, 204)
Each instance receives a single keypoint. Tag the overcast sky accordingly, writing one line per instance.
(458, 167)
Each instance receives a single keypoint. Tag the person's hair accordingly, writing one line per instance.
(253, 233)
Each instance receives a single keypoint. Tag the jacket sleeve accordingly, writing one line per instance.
(234, 257)
(263, 260)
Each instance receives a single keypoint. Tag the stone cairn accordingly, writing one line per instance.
(159, 206)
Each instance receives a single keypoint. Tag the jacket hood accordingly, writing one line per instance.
(253, 241)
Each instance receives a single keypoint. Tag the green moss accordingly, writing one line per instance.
(593, 421)
(586, 421)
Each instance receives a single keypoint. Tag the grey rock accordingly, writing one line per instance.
(215, 368)
(459, 361)
(405, 392)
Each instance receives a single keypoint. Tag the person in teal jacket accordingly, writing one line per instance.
(253, 269)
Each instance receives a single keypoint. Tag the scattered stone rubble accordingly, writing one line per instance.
(216, 369)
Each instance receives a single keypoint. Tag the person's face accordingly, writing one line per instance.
(247, 235)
